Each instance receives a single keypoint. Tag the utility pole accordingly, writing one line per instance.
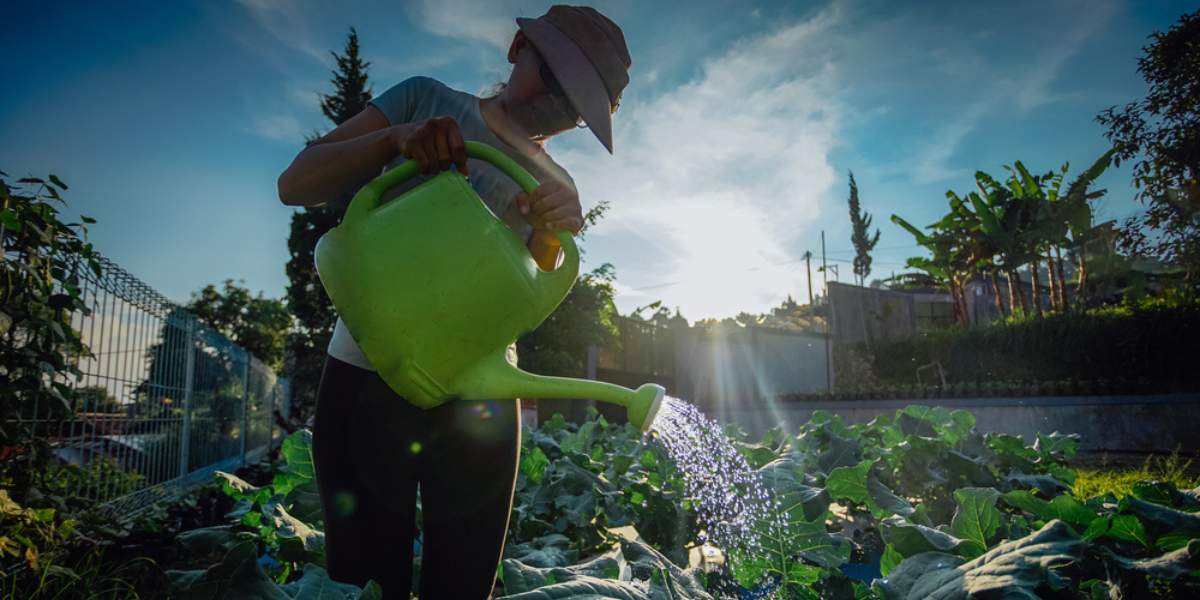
(808, 268)
(824, 271)
(828, 318)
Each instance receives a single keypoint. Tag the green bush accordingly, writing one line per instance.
(55, 545)
(40, 283)
(1122, 349)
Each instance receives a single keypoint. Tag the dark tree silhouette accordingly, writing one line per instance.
(306, 298)
(861, 236)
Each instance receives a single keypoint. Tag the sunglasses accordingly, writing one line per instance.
(557, 92)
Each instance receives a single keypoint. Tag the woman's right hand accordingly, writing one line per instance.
(434, 143)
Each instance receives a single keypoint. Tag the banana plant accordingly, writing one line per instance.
(1001, 227)
(1003, 217)
(1038, 228)
(1077, 214)
(955, 247)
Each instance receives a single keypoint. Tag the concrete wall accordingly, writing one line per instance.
(862, 314)
(749, 364)
(1118, 424)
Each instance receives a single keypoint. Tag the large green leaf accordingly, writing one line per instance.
(833, 449)
(1121, 527)
(883, 502)
(316, 585)
(1168, 566)
(553, 550)
(297, 481)
(988, 223)
(1015, 569)
(298, 460)
(782, 546)
(1165, 493)
(1063, 507)
(976, 519)
(297, 540)
(520, 577)
(1046, 485)
(1011, 452)
(890, 560)
(533, 464)
(1031, 185)
(1057, 446)
(928, 266)
(585, 588)
(910, 539)
(1162, 519)
(304, 502)
(667, 580)
(920, 236)
(581, 440)
(902, 577)
(239, 489)
(849, 483)
(212, 540)
(237, 575)
(813, 543)
(783, 480)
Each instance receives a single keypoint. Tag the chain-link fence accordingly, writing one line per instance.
(164, 400)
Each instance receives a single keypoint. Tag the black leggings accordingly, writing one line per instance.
(371, 448)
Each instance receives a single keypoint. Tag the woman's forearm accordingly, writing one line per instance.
(322, 172)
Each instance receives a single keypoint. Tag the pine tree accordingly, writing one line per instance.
(306, 296)
(863, 241)
(350, 80)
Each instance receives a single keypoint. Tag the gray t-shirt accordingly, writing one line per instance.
(420, 98)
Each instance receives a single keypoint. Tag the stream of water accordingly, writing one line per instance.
(731, 499)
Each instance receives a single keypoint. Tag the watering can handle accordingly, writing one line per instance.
(559, 280)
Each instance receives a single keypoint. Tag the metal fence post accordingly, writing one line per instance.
(245, 406)
(271, 420)
(186, 434)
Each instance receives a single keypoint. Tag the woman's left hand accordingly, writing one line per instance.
(553, 206)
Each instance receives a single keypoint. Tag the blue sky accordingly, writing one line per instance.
(171, 122)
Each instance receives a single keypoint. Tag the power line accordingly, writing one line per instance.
(885, 248)
(775, 264)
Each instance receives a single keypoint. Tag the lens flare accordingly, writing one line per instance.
(344, 504)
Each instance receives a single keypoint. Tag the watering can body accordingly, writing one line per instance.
(434, 288)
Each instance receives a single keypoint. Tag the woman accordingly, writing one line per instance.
(371, 447)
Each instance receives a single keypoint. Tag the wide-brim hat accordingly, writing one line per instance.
(586, 52)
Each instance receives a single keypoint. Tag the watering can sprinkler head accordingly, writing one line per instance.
(436, 319)
(644, 406)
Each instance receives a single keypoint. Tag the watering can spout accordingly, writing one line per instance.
(495, 377)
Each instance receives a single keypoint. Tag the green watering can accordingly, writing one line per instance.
(434, 288)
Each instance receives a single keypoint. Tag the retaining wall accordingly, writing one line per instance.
(1118, 424)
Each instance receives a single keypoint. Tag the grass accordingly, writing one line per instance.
(1096, 481)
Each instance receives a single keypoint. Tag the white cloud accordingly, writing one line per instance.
(283, 128)
(1028, 88)
(932, 162)
(288, 22)
(723, 173)
(492, 23)
(304, 94)
(625, 291)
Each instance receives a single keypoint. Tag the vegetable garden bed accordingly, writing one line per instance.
(919, 497)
